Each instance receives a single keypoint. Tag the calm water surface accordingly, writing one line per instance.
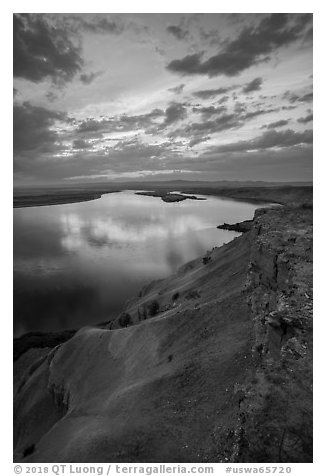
(77, 264)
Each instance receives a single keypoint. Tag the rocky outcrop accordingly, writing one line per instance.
(241, 227)
(210, 365)
(275, 404)
(170, 197)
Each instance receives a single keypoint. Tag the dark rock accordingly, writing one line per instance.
(241, 227)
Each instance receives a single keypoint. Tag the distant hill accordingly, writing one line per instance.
(145, 184)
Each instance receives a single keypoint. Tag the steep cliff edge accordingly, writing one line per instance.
(210, 365)
(275, 420)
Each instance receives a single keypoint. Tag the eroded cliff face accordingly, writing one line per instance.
(275, 403)
(210, 365)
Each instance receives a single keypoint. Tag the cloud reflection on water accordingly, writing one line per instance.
(76, 264)
(112, 231)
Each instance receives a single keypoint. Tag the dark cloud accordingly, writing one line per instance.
(211, 37)
(197, 129)
(304, 120)
(120, 123)
(137, 149)
(293, 97)
(274, 125)
(104, 24)
(224, 121)
(32, 129)
(81, 144)
(89, 78)
(174, 113)
(51, 96)
(177, 32)
(269, 139)
(254, 85)
(309, 35)
(234, 18)
(151, 122)
(100, 24)
(223, 99)
(190, 64)
(141, 121)
(209, 93)
(177, 89)
(240, 107)
(88, 162)
(244, 114)
(306, 98)
(253, 45)
(293, 163)
(258, 112)
(42, 50)
(198, 140)
(92, 125)
(288, 108)
(209, 111)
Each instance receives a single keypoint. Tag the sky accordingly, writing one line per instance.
(120, 97)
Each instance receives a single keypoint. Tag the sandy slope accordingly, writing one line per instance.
(147, 392)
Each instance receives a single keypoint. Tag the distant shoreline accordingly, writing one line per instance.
(282, 194)
(55, 199)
